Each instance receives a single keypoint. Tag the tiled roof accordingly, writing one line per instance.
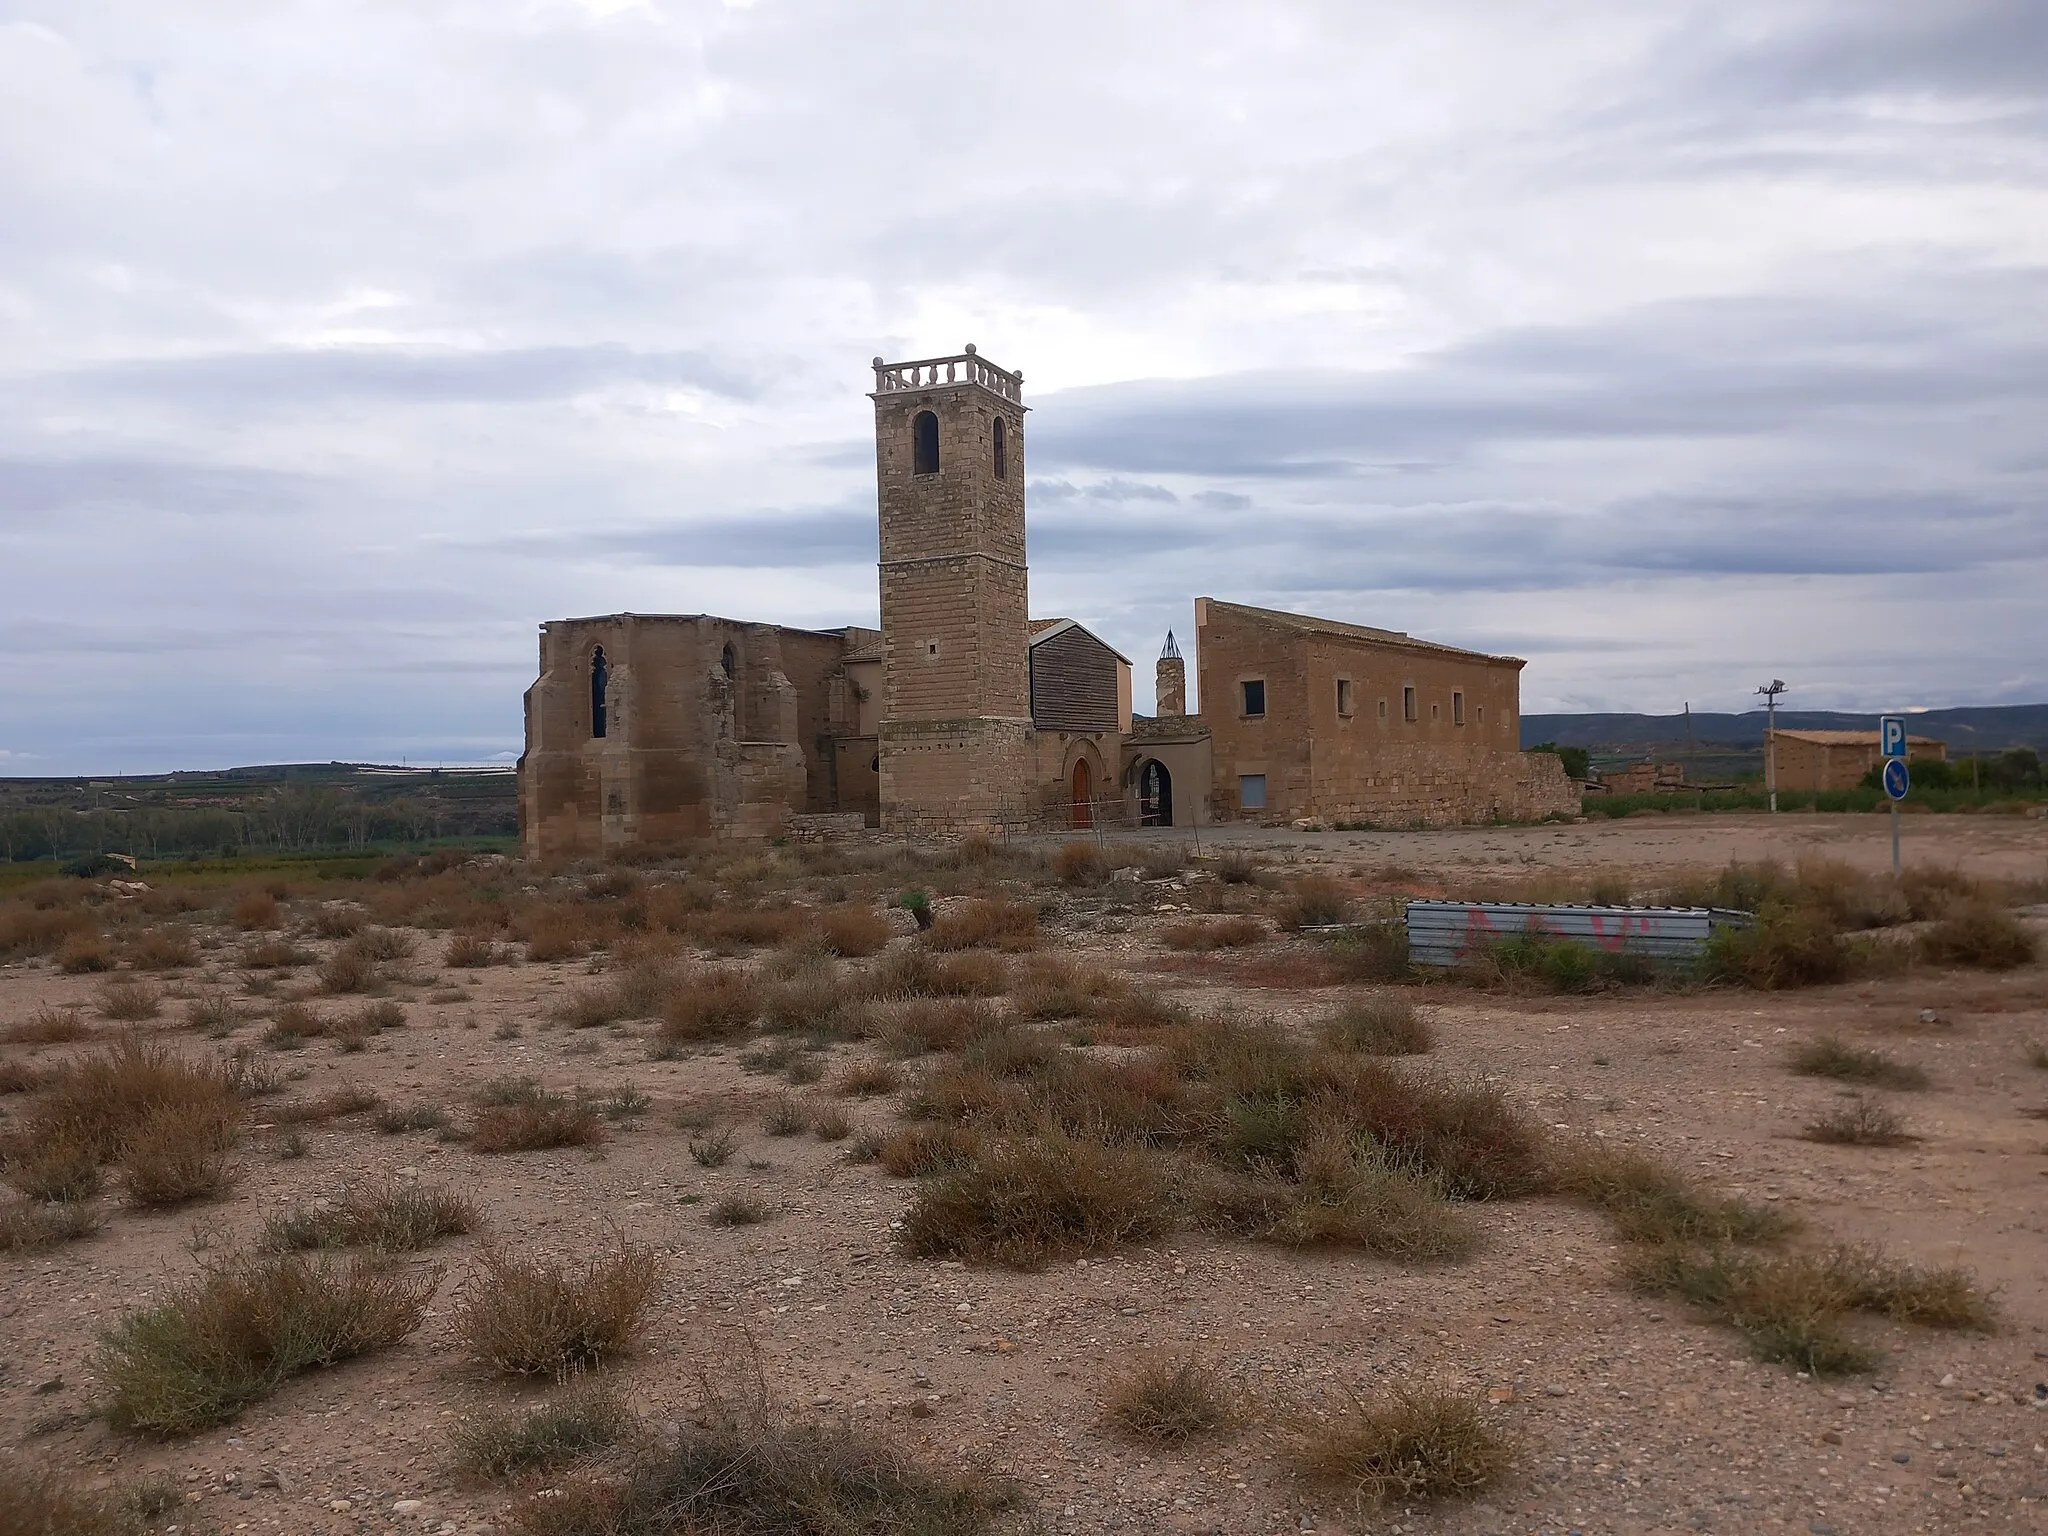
(1337, 629)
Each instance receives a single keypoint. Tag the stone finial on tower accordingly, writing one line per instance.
(1170, 682)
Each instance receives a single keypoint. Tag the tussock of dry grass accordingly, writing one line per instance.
(1197, 934)
(29, 1225)
(129, 1002)
(918, 972)
(19, 1077)
(710, 1003)
(1379, 1024)
(48, 1025)
(272, 955)
(1313, 901)
(530, 1119)
(1419, 1446)
(1080, 864)
(165, 947)
(1859, 1120)
(85, 953)
(579, 1423)
(37, 1502)
(867, 1079)
(1023, 1202)
(231, 1337)
(937, 1024)
(1829, 1056)
(1793, 1309)
(1649, 1202)
(920, 1151)
(986, 924)
(852, 932)
(1170, 1402)
(403, 1218)
(532, 1317)
(470, 951)
(332, 1105)
(746, 1470)
(1980, 935)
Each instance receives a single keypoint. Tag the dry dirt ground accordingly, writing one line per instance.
(1633, 1415)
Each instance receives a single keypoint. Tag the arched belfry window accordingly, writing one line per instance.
(1002, 450)
(924, 443)
(600, 675)
(729, 662)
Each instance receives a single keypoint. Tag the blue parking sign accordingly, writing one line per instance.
(1891, 730)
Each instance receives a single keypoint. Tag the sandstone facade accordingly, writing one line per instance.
(1819, 760)
(961, 713)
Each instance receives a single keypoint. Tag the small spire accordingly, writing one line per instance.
(1170, 651)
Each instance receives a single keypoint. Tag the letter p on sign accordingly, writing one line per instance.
(1892, 733)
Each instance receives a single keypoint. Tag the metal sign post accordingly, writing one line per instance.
(1891, 736)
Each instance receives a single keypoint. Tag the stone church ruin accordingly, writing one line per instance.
(963, 713)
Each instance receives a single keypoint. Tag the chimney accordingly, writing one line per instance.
(1170, 680)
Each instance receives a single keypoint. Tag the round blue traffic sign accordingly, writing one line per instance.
(1896, 779)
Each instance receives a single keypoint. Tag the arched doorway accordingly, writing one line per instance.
(1084, 794)
(1155, 795)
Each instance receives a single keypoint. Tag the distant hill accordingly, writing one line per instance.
(1989, 729)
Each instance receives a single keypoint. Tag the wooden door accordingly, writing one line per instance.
(1084, 794)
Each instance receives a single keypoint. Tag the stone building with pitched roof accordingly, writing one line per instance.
(962, 713)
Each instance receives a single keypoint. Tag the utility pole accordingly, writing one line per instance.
(1770, 692)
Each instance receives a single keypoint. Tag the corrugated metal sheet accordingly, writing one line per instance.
(1446, 932)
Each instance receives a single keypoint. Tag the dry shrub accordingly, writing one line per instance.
(1977, 934)
(1785, 947)
(1351, 1195)
(29, 1225)
(42, 1503)
(470, 951)
(1054, 987)
(786, 1116)
(84, 952)
(48, 1026)
(1650, 1202)
(937, 1024)
(535, 1123)
(1422, 1445)
(533, 1317)
(748, 1471)
(179, 1151)
(1793, 1309)
(852, 931)
(272, 955)
(710, 1003)
(1080, 864)
(983, 924)
(921, 1151)
(328, 1106)
(1022, 1202)
(1829, 1056)
(401, 1218)
(166, 1120)
(347, 970)
(815, 1000)
(865, 1079)
(1859, 1120)
(1313, 901)
(129, 1001)
(253, 910)
(551, 934)
(1378, 1025)
(830, 1123)
(40, 925)
(1170, 1402)
(1214, 933)
(395, 1121)
(337, 920)
(166, 948)
(234, 1335)
(917, 972)
(737, 1211)
(214, 1014)
(578, 1423)
(1376, 952)
(727, 927)
(19, 1077)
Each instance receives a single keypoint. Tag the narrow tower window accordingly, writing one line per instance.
(924, 435)
(1002, 450)
(727, 661)
(600, 674)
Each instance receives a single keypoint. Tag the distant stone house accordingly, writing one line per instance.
(1818, 760)
(961, 713)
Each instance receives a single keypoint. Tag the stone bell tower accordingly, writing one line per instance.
(1170, 682)
(955, 743)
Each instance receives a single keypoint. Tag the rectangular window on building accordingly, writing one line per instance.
(1482, 714)
(1383, 709)
(1457, 709)
(1254, 696)
(1344, 697)
(1408, 704)
(1251, 791)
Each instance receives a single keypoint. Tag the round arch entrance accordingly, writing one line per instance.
(1155, 794)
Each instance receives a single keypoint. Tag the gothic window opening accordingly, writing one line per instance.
(924, 443)
(600, 676)
(1155, 795)
(1002, 450)
(729, 662)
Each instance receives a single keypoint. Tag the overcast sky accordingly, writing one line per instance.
(1672, 346)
